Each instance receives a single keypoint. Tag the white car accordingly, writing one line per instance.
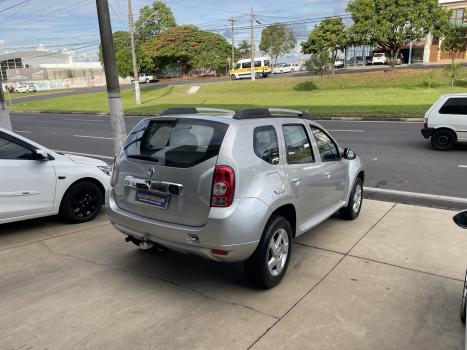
(36, 182)
(282, 68)
(379, 58)
(295, 67)
(143, 78)
(446, 122)
(22, 89)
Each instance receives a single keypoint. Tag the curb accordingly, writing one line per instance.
(422, 199)
(369, 119)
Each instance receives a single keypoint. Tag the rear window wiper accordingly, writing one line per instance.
(143, 157)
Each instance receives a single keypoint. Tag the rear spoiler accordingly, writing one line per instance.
(196, 110)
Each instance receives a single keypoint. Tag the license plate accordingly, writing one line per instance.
(153, 199)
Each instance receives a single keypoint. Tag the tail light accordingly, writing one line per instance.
(425, 124)
(223, 186)
(114, 176)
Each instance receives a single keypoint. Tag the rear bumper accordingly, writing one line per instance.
(427, 132)
(236, 229)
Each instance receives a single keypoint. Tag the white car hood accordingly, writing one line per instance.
(85, 160)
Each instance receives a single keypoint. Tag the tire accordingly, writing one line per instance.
(233, 77)
(353, 208)
(464, 301)
(147, 81)
(443, 140)
(256, 267)
(258, 75)
(81, 202)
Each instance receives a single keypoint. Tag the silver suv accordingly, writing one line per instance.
(231, 186)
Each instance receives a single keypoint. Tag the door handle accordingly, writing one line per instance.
(327, 174)
(296, 179)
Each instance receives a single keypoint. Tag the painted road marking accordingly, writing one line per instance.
(93, 137)
(86, 120)
(23, 132)
(462, 166)
(356, 131)
(85, 154)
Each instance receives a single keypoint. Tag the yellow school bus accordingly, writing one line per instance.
(243, 68)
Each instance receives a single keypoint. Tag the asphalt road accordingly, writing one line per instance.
(396, 156)
(207, 80)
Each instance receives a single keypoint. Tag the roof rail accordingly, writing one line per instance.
(195, 110)
(255, 113)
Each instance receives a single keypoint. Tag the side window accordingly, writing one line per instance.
(298, 145)
(454, 106)
(265, 144)
(246, 65)
(267, 63)
(238, 66)
(11, 150)
(257, 63)
(327, 148)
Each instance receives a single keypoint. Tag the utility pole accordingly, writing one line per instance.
(232, 21)
(252, 24)
(133, 54)
(117, 120)
(5, 121)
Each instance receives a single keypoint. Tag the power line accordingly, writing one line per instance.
(13, 6)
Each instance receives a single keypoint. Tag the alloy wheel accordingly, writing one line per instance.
(278, 252)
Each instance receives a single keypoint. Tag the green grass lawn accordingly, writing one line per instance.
(376, 94)
(16, 95)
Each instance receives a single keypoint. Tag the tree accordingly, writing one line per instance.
(123, 56)
(454, 42)
(319, 63)
(330, 35)
(276, 40)
(189, 47)
(153, 20)
(244, 49)
(392, 24)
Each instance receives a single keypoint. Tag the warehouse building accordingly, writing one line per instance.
(49, 69)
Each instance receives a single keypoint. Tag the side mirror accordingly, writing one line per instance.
(41, 154)
(349, 154)
(461, 219)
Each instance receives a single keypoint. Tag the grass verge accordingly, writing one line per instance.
(407, 93)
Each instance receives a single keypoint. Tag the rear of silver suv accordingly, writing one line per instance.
(231, 187)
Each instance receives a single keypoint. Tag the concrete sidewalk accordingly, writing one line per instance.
(392, 279)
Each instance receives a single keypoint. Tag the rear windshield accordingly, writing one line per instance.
(180, 143)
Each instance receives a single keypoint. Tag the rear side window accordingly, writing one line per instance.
(455, 106)
(180, 143)
(265, 144)
(267, 63)
(298, 145)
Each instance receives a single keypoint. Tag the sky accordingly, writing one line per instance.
(72, 24)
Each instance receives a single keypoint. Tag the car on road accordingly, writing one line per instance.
(37, 182)
(231, 186)
(23, 89)
(32, 88)
(283, 68)
(339, 64)
(446, 122)
(146, 78)
(295, 67)
(379, 58)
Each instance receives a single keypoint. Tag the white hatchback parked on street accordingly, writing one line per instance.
(36, 182)
(446, 122)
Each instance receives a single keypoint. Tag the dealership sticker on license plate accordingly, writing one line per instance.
(153, 199)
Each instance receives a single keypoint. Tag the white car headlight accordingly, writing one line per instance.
(107, 170)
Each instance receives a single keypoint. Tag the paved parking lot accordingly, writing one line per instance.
(390, 280)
